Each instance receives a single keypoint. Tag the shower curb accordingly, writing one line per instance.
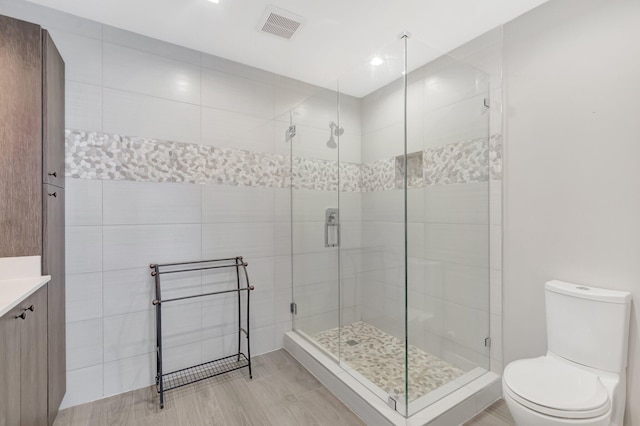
(453, 409)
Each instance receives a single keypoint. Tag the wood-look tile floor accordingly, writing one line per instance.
(495, 415)
(282, 392)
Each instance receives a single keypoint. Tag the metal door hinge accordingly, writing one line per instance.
(293, 308)
(487, 342)
(391, 402)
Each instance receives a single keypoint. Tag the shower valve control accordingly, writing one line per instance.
(332, 227)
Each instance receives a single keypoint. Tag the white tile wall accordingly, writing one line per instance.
(463, 244)
(458, 203)
(149, 45)
(128, 373)
(83, 202)
(224, 204)
(182, 324)
(218, 347)
(220, 240)
(83, 106)
(231, 93)
(290, 93)
(83, 249)
(311, 268)
(179, 357)
(128, 335)
(132, 246)
(462, 121)
(310, 206)
(84, 344)
(144, 203)
(141, 72)
(382, 108)
(83, 296)
(127, 113)
(452, 82)
(382, 143)
(230, 129)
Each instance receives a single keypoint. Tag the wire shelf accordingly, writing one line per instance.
(204, 371)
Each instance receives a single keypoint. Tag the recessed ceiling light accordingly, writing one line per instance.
(377, 61)
(215, 1)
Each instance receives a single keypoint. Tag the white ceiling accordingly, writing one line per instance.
(335, 37)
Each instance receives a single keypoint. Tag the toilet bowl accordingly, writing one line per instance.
(550, 391)
(578, 381)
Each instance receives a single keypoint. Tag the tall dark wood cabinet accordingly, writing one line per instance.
(20, 138)
(32, 199)
(53, 217)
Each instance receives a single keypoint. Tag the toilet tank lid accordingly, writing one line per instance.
(588, 292)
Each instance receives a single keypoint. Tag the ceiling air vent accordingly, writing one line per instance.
(279, 22)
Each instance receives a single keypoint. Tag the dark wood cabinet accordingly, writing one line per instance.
(23, 357)
(20, 138)
(53, 244)
(33, 360)
(53, 264)
(32, 203)
(52, 113)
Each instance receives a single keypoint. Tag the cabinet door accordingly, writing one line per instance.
(10, 369)
(20, 138)
(52, 113)
(53, 264)
(33, 366)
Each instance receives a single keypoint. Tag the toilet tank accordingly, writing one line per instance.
(588, 325)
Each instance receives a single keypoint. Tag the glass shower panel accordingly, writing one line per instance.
(448, 227)
(315, 132)
(372, 331)
(389, 230)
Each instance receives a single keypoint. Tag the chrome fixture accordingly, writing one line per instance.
(289, 133)
(335, 131)
(331, 227)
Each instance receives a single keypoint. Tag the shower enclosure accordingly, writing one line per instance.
(390, 223)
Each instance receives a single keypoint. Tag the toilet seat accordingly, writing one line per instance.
(556, 388)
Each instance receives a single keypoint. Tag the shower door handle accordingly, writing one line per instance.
(331, 228)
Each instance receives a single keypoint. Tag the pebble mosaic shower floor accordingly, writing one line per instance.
(379, 357)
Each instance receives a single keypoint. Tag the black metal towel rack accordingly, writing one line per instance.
(185, 376)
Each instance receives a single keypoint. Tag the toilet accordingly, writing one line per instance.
(582, 378)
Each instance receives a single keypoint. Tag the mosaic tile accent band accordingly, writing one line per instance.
(380, 358)
(96, 155)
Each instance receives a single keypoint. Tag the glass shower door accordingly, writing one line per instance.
(315, 213)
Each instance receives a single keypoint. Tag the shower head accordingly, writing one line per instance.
(331, 143)
(335, 131)
(338, 131)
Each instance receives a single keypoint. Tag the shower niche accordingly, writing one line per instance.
(395, 290)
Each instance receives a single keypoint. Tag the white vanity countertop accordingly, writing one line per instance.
(14, 291)
(19, 278)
